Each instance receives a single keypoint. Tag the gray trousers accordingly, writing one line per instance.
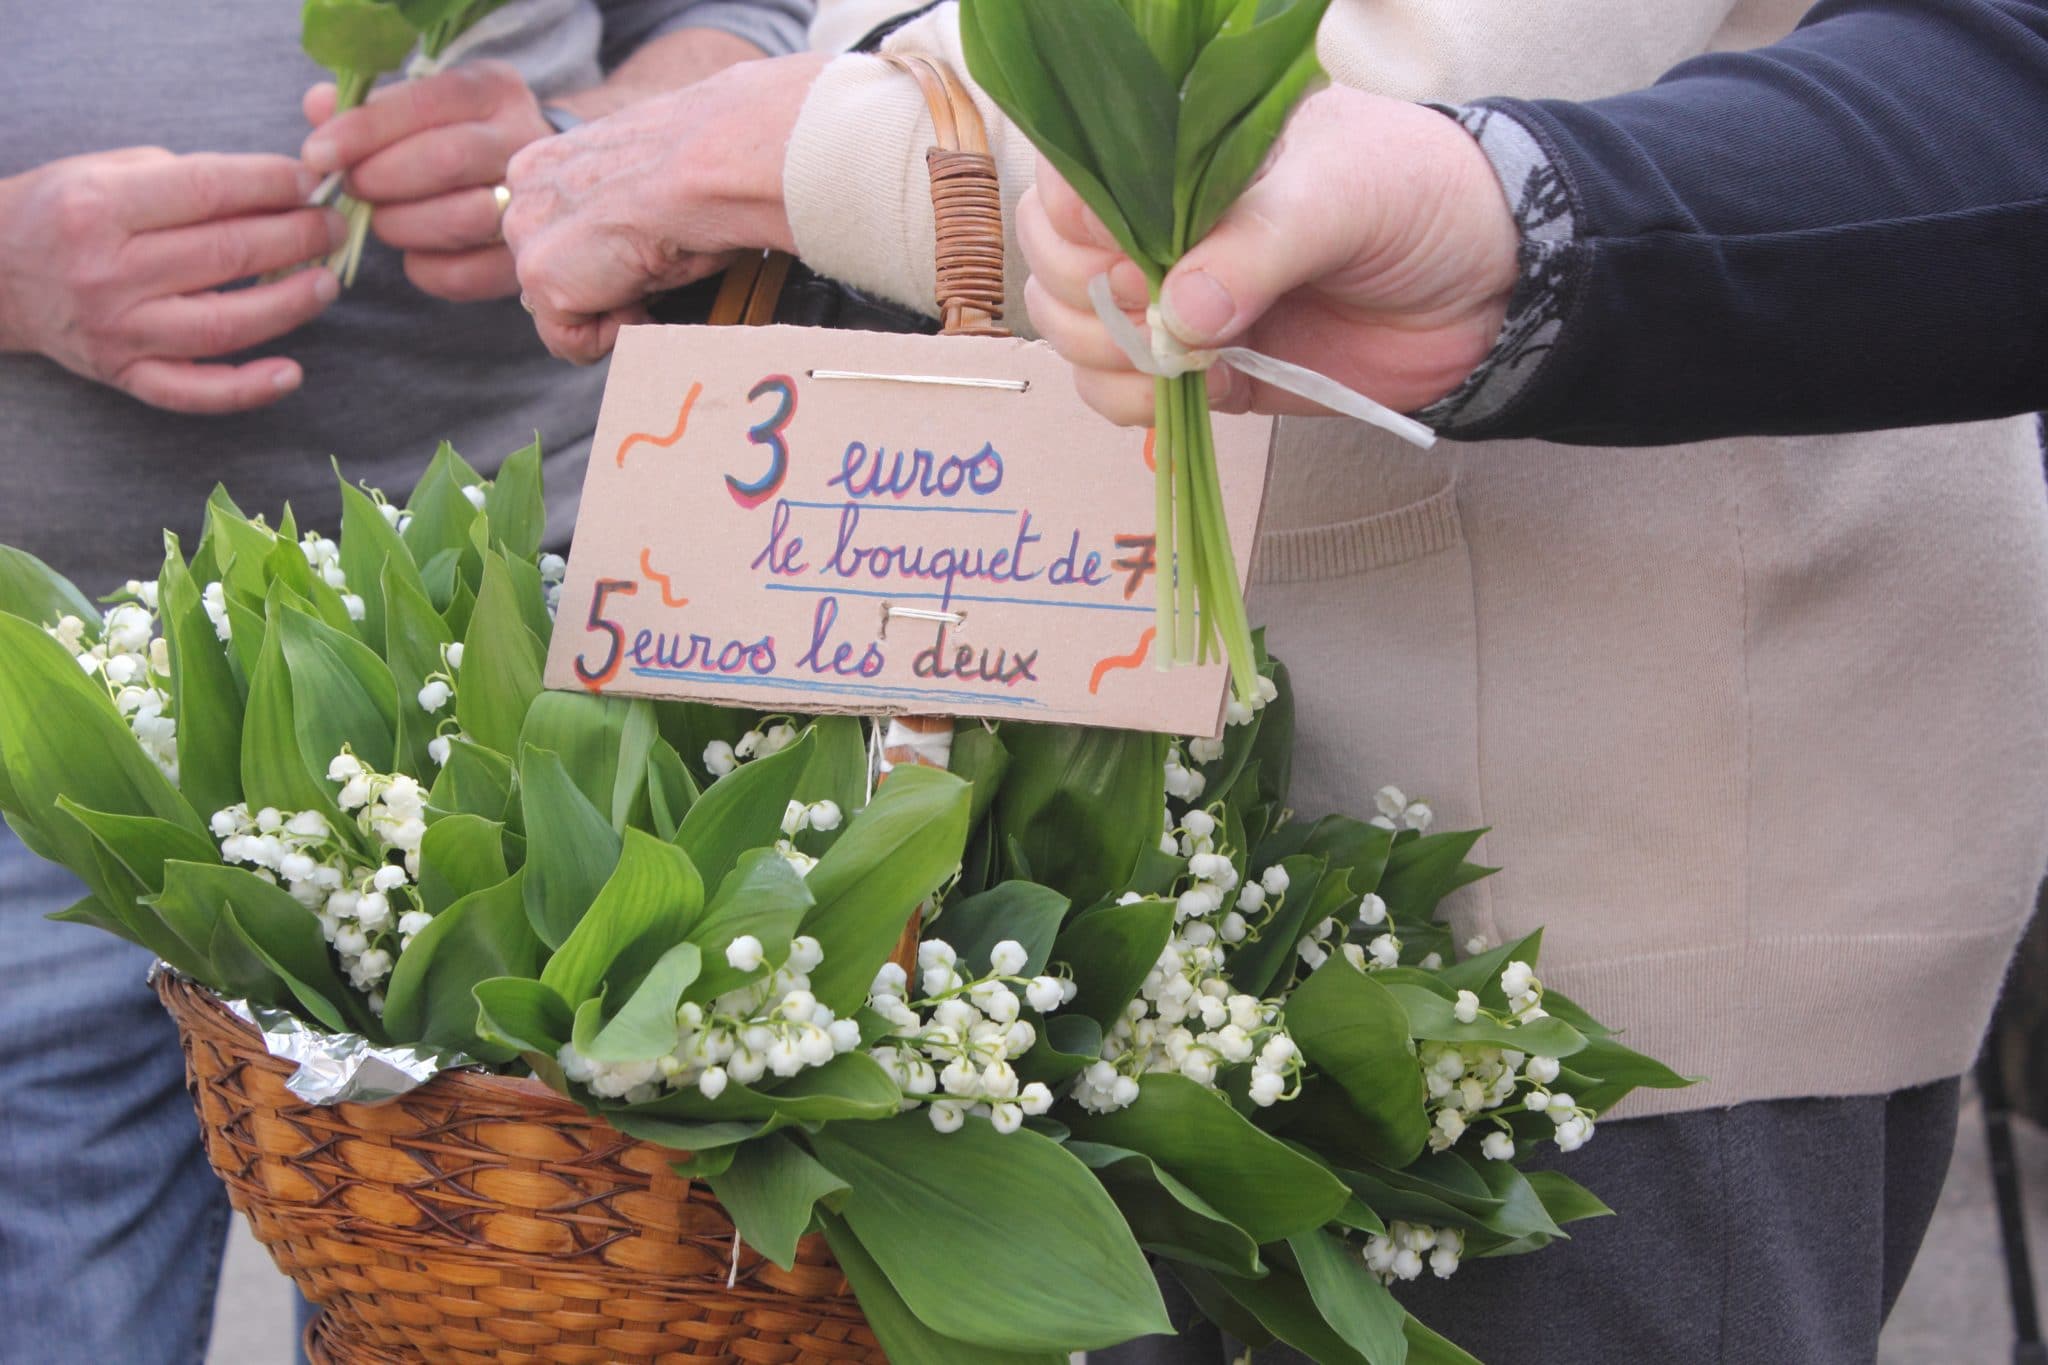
(1766, 1234)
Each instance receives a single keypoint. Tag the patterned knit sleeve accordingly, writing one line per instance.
(1540, 197)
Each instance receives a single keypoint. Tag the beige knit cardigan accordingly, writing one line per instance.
(1758, 725)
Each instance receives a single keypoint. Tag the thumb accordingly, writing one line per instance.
(1288, 229)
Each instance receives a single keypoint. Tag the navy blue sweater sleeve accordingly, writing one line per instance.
(1844, 231)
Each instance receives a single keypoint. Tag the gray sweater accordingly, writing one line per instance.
(90, 477)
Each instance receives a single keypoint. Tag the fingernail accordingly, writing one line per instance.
(337, 228)
(1195, 307)
(286, 378)
(326, 288)
(318, 153)
(309, 180)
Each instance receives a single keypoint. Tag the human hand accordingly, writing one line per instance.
(656, 196)
(112, 265)
(426, 155)
(1376, 247)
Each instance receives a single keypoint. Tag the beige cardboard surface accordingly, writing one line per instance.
(752, 529)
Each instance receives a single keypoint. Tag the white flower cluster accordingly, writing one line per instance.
(1377, 953)
(325, 557)
(1573, 1121)
(819, 815)
(435, 697)
(1472, 1082)
(1399, 1254)
(950, 1049)
(1396, 811)
(553, 569)
(1235, 712)
(134, 664)
(215, 599)
(771, 1026)
(362, 907)
(397, 518)
(1187, 1018)
(721, 758)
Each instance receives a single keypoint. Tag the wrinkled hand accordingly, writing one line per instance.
(1376, 247)
(658, 195)
(425, 154)
(112, 265)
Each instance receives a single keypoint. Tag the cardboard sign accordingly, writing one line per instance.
(796, 519)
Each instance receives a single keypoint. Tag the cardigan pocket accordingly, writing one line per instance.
(1375, 621)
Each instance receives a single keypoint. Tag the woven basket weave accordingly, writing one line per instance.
(486, 1219)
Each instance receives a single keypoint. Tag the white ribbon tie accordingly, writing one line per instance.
(1157, 351)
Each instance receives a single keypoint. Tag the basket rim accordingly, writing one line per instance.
(453, 1084)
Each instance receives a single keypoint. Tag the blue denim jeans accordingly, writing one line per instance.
(111, 1223)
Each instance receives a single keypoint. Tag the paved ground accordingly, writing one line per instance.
(1954, 1311)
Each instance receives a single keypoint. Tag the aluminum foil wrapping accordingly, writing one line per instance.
(337, 1067)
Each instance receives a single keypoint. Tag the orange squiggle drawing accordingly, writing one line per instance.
(1116, 661)
(682, 422)
(1151, 435)
(661, 580)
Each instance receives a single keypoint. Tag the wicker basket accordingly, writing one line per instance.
(486, 1219)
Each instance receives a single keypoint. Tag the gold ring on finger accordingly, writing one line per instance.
(527, 304)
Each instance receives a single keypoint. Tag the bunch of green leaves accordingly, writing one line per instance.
(359, 42)
(585, 875)
(1159, 113)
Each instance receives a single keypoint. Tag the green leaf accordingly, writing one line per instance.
(648, 904)
(1259, 966)
(1082, 804)
(460, 855)
(1426, 1347)
(837, 772)
(285, 934)
(1110, 951)
(1250, 1177)
(370, 550)
(1286, 1309)
(415, 641)
(1421, 872)
(991, 1190)
(501, 665)
(522, 1014)
(998, 42)
(603, 743)
(1565, 1199)
(1355, 1032)
(979, 758)
(763, 896)
(441, 513)
(1023, 911)
(1167, 1217)
(894, 853)
(1238, 95)
(518, 516)
(671, 791)
(1352, 1301)
(482, 936)
(345, 36)
(39, 594)
(903, 1336)
(645, 1027)
(742, 810)
(1219, 1307)
(208, 700)
(1431, 1016)
(342, 693)
(769, 1191)
(476, 782)
(62, 737)
(140, 845)
(571, 849)
(1361, 849)
(275, 770)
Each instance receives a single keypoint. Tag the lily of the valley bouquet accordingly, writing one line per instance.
(1152, 1011)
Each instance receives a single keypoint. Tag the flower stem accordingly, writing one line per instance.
(1163, 426)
